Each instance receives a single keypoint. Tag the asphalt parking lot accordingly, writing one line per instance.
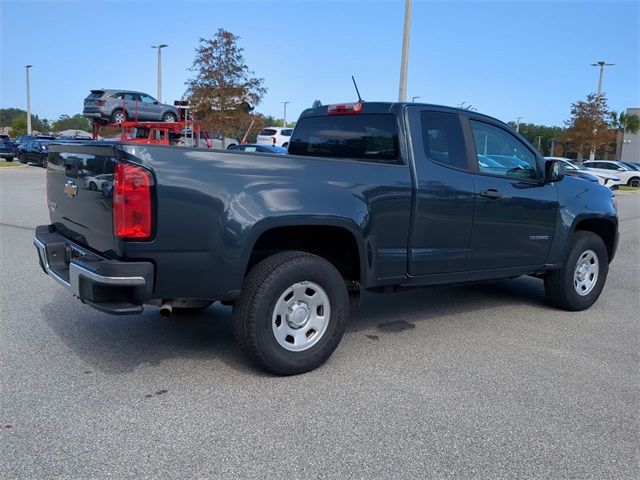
(482, 381)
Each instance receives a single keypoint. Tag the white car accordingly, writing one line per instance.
(627, 175)
(278, 136)
(606, 179)
(95, 182)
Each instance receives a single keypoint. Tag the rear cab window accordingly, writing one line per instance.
(267, 132)
(370, 137)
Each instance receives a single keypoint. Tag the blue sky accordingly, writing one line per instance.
(507, 59)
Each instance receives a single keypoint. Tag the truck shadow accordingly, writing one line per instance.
(115, 345)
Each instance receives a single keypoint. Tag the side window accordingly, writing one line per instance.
(147, 99)
(500, 153)
(443, 140)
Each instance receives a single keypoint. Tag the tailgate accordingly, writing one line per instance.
(79, 193)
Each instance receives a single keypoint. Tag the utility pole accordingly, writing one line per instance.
(159, 48)
(404, 62)
(539, 142)
(518, 123)
(601, 64)
(26, 68)
(284, 119)
(413, 99)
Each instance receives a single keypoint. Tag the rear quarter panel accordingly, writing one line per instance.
(213, 205)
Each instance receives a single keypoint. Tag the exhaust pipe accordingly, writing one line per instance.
(166, 309)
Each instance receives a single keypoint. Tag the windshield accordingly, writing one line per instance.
(577, 166)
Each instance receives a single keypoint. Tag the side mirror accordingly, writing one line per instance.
(620, 169)
(553, 171)
(155, 102)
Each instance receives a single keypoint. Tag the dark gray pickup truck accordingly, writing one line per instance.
(372, 196)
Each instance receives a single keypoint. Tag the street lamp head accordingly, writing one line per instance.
(28, 66)
(162, 45)
(602, 63)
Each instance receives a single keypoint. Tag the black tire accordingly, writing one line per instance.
(559, 284)
(43, 163)
(93, 186)
(116, 118)
(9, 159)
(21, 159)
(634, 182)
(169, 117)
(285, 145)
(253, 312)
(231, 146)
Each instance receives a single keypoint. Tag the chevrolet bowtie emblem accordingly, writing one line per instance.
(70, 189)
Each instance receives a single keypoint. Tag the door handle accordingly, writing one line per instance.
(491, 193)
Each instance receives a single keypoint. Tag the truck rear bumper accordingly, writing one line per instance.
(111, 286)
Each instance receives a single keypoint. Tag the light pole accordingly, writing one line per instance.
(539, 142)
(159, 48)
(26, 69)
(601, 64)
(553, 146)
(284, 119)
(518, 123)
(413, 99)
(404, 62)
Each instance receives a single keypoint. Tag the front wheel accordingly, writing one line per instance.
(168, 117)
(578, 284)
(634, 182)
(93, 186)
(9, 159)
(22, 159)
(292, 313)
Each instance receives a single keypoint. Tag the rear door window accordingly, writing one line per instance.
(372, 137)
(287, 132)
(443, 140)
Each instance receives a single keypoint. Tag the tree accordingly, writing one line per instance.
(8, 115)
(623, 123)
(18, 126)
(77, 122)
(223, 90)
(540, 136)
(316, 103)
(588, 128)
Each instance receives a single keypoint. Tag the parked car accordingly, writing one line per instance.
(571, 167)
(628, 176)
(254, 147)
(116, 106)
(372, 197)
(33, 151)
(25, 138)
(278, 136)
(7, 148)
(631, 165)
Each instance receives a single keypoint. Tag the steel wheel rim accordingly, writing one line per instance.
(301, 316)
(169, 118)
(585, 275)
(119, 117)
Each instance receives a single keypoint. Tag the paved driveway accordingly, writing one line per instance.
(467, 382)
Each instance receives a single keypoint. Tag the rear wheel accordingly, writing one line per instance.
(578, 284)
(21, 158)
(9, 159)
(285, 145)
(292, 313)
(168, 117)
(93, 186)
(634, 182)
(118, 116)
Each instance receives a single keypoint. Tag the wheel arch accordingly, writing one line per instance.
(604, 227)
(336, 240)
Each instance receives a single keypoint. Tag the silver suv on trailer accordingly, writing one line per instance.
(116, 106)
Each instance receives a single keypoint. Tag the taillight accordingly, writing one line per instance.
(132, 214)
(101, 103)
(274, 140)
(344, 109)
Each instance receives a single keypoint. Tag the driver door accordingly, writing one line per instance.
(515, 211)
